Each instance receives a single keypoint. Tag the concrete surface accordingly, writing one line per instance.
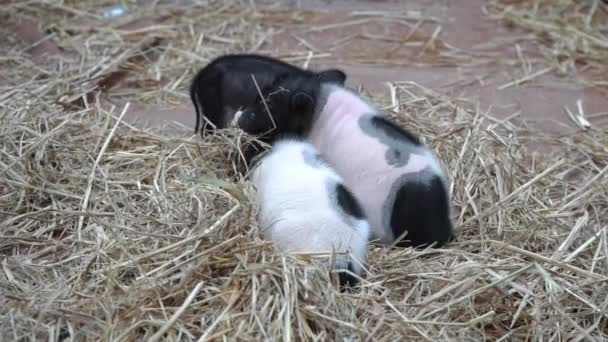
(371, 60)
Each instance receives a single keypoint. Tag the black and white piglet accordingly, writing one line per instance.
(398, 180)
(306, 208)
(224, 94)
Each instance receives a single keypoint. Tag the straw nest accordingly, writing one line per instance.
(570, 36)
(110, 232)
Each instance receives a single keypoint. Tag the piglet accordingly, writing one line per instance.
(224, 94)
(306, 208)
(398, 181)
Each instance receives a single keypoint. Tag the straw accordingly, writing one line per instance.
(110, 231)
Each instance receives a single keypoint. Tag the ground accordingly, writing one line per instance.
(119, 224)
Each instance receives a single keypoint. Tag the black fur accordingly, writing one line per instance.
(336, 76)
(226, 85)
(346, 279)
(422, 208)
(393, 131)
(400, 143)
(348, 203)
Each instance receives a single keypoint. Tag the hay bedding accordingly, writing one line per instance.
(111, 232)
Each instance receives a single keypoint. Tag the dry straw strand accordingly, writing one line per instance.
(111, 230)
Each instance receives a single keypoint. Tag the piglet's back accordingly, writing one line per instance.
(304, 206)
(374, 156)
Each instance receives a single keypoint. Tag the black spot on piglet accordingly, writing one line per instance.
(348, 203)
(421, 208)
(391, 130)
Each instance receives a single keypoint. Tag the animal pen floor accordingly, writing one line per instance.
(117, 223)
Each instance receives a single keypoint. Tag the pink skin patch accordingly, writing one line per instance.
(361, 158)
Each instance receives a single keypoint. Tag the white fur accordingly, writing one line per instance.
(296, 212)
(235, 118)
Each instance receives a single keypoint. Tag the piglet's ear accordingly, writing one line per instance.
(332, 76)
(302, 103)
